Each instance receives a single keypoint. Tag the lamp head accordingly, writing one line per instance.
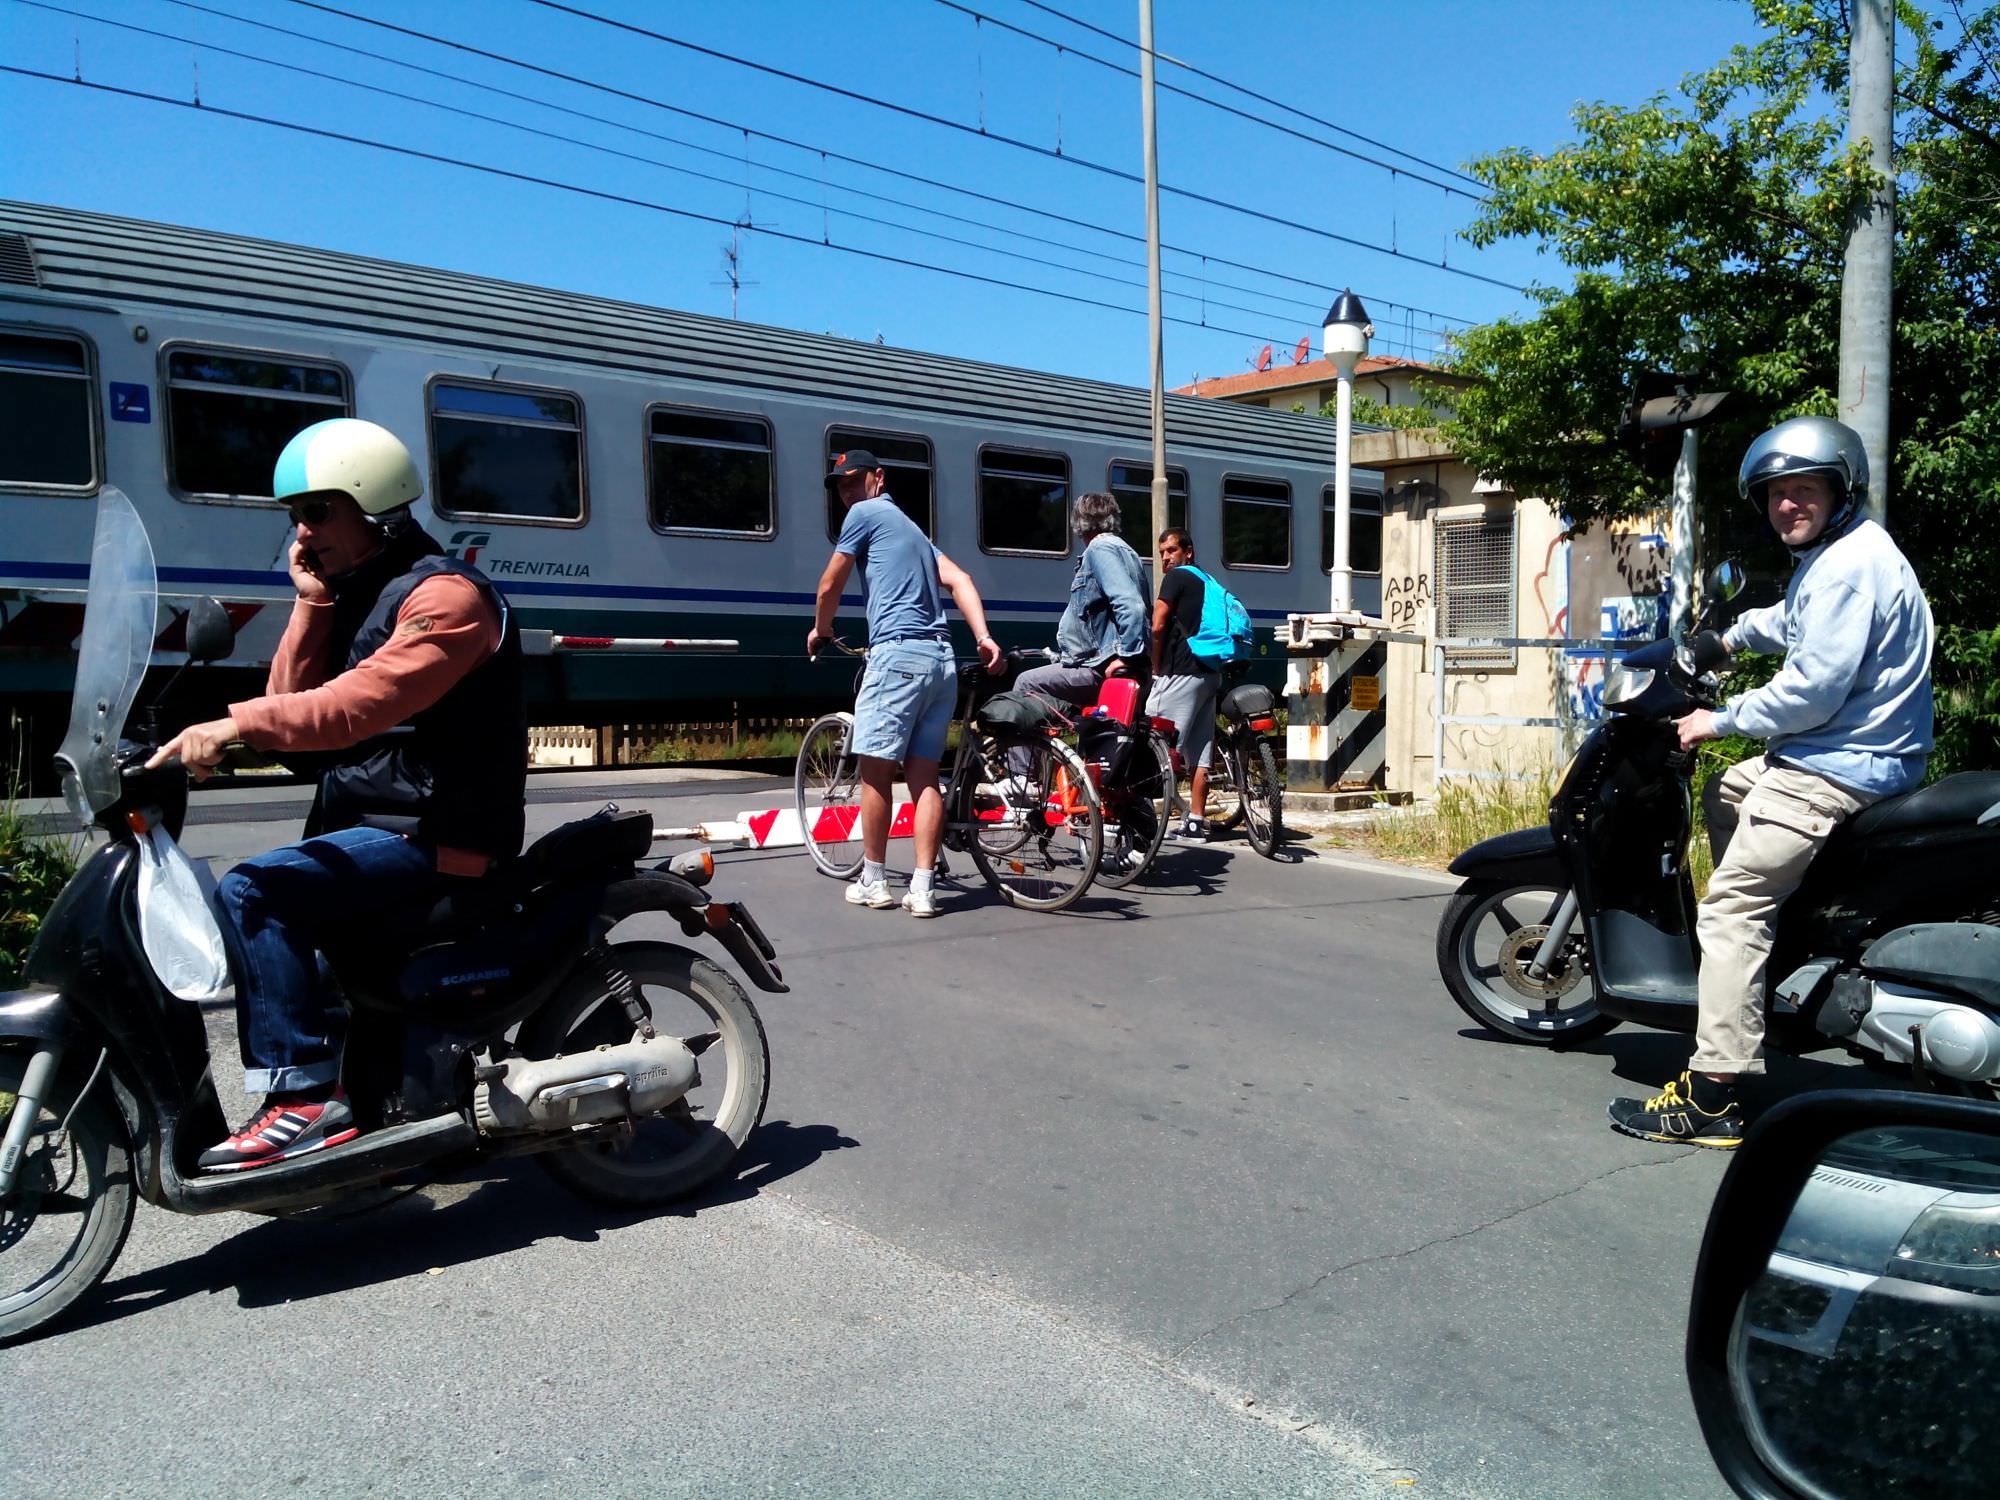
(1345, 337)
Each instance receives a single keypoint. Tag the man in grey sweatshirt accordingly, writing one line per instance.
(1848, 722)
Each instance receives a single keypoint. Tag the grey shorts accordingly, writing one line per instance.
(1190, 703)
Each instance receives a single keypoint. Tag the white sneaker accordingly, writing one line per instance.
(873, 893)
(920, 903)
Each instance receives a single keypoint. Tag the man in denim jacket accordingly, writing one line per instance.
(1106, 630)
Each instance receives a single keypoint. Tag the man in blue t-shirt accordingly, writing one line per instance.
(910, 688)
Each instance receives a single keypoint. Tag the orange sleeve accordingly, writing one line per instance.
(443, 631)
(301, 658)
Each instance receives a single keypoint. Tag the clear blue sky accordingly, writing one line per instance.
(1446, 80)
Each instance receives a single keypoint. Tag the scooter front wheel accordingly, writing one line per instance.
(66, 1218)
(1489, 935)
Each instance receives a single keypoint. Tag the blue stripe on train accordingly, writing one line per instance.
(524, 586)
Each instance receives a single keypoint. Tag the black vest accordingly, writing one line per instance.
(454, 775)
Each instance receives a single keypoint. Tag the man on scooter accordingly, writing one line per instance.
(1848, 722)
(386, 634)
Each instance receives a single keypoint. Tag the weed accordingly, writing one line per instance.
(36, 868)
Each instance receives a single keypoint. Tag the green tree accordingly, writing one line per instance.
(1714, 218)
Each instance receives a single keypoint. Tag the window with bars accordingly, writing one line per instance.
(710, 472)
(1474, 567)
(1023, 502)
(906, 470)
(1256, 523)
(230, 414)
(47, 420)
(507, 453)
(1364, 531)
(1132, 487)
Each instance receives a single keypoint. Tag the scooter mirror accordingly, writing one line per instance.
(210, 633)
(1726, 580)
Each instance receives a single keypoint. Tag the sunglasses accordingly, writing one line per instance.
(311, 512)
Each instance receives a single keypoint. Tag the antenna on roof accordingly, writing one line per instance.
(732, 260)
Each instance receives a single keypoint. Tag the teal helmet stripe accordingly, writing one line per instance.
(293, 472)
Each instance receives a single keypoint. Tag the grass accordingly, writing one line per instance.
(1466, 812)
(40, 866)
(781, 744)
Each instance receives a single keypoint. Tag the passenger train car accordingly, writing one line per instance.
(619, 470)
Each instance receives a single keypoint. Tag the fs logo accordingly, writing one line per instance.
(465, 545)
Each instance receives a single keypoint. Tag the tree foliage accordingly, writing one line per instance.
(1714, 218)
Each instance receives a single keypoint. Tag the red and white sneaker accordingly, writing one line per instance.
(281, 1130)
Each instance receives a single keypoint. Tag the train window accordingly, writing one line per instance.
(47, 421)
(1364, 531)
(230, 414)
(1023, 501)
(506, 453)
(906, 466)
(710, 471)
(1256, 523)
(1132, 488)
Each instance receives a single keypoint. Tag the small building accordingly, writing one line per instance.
(1308, 386)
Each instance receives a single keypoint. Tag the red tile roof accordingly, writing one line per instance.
(1284, 377)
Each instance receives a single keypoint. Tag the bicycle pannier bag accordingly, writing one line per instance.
(1012, 711)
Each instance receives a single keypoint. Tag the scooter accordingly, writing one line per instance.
(1890, 948)
(501, 1023)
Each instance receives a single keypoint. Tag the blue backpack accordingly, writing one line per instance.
(1224, 636)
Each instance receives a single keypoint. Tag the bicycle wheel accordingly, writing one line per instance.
(1225, 797)
(1039, 849)
(826, 787)
(1255, 770)
(1135, 817)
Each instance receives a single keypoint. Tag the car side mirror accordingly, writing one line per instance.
(1845, 1327)
(211, 635)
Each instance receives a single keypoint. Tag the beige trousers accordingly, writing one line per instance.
(1784, 816)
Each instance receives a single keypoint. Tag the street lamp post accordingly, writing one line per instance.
(1345, 339)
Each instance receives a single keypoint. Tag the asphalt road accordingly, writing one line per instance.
(1202, 1189)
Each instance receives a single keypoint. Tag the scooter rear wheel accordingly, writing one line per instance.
(70, 1209)
(1486, 938)
(687, 1146)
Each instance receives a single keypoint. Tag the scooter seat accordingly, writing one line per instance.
(1954, 801)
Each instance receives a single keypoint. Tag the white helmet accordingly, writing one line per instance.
(351, 457)
(1810, 445)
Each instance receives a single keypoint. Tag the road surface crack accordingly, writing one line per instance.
(1444, 1239)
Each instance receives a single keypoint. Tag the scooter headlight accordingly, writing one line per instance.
(1623, 685)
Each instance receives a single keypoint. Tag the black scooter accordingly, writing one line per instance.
(1890, 949)
(501, 1023)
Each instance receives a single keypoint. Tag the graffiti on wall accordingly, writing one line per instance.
(1406, 601)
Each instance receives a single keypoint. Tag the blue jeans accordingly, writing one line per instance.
(279, 907)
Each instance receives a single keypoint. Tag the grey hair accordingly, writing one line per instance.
(1094, 512)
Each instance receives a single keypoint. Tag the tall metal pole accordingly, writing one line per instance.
(1343, 482)
(1153, 311)
(1865, 285)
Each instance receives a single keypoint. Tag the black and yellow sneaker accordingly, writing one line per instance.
(1692, 1111)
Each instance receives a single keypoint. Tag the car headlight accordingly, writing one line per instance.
(1953, 1245)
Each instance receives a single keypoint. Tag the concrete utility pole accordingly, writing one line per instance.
(1866, 323)
(1153, 311)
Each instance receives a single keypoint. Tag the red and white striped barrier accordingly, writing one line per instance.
(779, 827)
(552, 642)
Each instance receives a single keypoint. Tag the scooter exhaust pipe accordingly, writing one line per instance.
(609, 1082)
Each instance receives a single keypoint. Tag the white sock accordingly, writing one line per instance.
(873, 870)
(921, 882)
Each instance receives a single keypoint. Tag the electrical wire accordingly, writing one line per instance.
(1216, 104)
(730, 182)
(603, 195)
(1104, 169)
(737, 127)
(1261, 98)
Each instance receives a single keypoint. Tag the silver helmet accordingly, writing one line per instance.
(1808, 445)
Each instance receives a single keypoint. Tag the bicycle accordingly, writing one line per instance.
(1035, 835)
(1243, 774)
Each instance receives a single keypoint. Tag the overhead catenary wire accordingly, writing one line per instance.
(1479, 187)
(566, 139)
(902, 174)
(944, 121)
(216, 111)
(982, 17)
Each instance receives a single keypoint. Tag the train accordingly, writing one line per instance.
(619, 470)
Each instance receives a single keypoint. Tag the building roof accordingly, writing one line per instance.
(1313, 372)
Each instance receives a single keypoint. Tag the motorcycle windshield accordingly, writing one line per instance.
(118, 625)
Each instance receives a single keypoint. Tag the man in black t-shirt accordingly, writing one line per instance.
(1183, 689)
